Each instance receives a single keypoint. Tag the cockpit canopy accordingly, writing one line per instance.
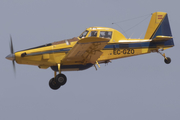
(103, 32)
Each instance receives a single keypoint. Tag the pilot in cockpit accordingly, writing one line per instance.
(93, 33)
(107, 35)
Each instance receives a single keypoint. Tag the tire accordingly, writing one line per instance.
(53, 84)
(167, 60)
(61, 79)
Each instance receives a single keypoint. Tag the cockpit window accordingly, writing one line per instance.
(93, 34)
(83, 34)
(105, 34)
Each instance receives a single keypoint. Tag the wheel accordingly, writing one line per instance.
(53, 84)
(167, 60)
(61, 78)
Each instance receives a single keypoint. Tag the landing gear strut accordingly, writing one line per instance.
(167, 60)
(58, 80)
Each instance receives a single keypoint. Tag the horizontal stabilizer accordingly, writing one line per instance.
(129, 41)
(162, 38)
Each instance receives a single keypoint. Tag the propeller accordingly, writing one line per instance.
(12, 52)
(11, 56)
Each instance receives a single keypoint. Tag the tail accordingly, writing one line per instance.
(159, 28)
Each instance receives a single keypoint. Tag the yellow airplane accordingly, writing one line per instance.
(95, 45)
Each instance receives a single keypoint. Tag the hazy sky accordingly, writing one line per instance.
(136, 88)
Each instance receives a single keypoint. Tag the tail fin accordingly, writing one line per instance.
(158, 26)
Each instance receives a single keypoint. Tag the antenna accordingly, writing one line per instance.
(141, 35)
(131, 35)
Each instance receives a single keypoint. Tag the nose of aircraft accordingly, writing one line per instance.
(10, 57)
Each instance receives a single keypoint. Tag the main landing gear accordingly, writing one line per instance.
(58, 80)
(167, 60)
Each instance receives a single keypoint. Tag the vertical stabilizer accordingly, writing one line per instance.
(159, 25)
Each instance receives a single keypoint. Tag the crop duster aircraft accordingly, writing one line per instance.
(95, 45)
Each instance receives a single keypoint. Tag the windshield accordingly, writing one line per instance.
(83, 34)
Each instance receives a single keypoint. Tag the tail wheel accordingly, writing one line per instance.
(53, 84)
(167, 60)
(61, 79)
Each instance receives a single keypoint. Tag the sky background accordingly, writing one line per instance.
(135, 88)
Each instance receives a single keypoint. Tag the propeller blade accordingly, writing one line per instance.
(14, 68)
(12, 52)
(11, 45)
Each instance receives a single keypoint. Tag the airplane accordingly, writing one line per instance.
(96, 45)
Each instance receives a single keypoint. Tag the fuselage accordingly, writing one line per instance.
(118, 47)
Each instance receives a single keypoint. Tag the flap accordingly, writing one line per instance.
(86, 50)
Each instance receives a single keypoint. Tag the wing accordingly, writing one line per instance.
(86, 50)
